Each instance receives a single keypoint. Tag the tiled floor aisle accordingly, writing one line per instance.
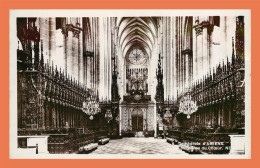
(138, 146)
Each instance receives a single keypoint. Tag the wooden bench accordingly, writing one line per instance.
(88, 148)
(172, 140)
(192, 149)
(103, 140)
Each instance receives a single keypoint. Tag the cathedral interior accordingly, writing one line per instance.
(85, 81)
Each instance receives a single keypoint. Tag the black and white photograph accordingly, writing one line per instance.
(148, 84)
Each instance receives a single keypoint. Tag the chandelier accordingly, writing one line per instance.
(91, 107)
(187, 105)
(108, 115)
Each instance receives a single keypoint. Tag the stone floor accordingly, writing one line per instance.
(138, 146)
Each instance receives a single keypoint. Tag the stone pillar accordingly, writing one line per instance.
(93, 75)
(109, 70)
(199, 56)
(73, 48)
(187, 54)
(44, 36)
(155, 121)
(68, 47)
(74, 56)
(120, 120)
(174, 68)
(151, 117)
(80, 56)
(205, 54)
(168, 56)
(102, 60)
(201, 47)
(164, 54)
(195, 61)
(52, 38)
(124, 118)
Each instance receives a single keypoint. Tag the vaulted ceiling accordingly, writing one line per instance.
(137, 32)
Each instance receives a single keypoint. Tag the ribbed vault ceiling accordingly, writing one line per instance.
(137, 31)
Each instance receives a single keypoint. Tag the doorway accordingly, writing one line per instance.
(137, 120)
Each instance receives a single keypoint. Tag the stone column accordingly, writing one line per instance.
(187, 54)
(199, 56)
(205, 54)
(195, 61)
(44, 36)
(69, 61)
(81, 67)
(102, 60)
(168, 57)
(120, 120)
(73, 49)
(174, 81)
(155, 121)
(52, 38)
(74, 55)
